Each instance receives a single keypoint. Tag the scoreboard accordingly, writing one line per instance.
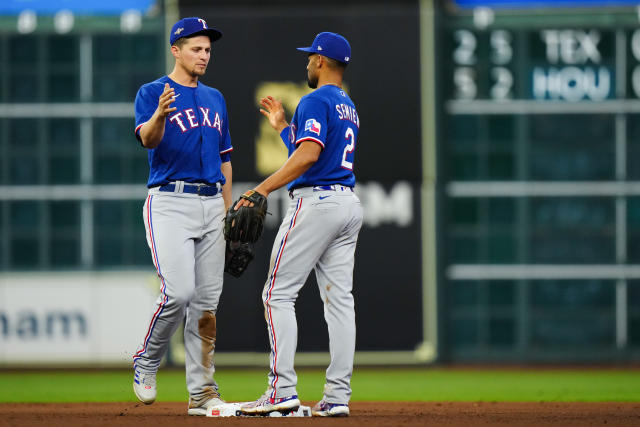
(580, 59)
(538, 133)
(567, 64)
(523, 4)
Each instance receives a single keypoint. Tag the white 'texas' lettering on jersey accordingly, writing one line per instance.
(192, 119)
(217, 123)
(292, 133)
(176, 119)
(205, 117)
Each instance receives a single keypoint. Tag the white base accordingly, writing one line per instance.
(226, 410)
(302, 411)
(233, 410)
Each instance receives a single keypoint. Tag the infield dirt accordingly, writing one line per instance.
(362, 414)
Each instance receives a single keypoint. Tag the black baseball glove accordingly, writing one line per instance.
(245, 224)
(237, 258)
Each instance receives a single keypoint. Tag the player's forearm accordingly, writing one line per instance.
(227, 171)
(280, 126)
(299, 162)
(151, 132)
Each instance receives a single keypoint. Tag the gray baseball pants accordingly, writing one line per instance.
(319, 231)
(185, 235)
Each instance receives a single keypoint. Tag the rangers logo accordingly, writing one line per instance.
(313, 126)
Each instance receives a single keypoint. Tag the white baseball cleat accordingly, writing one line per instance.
(326, 409)
(266, 404)
(196, 409)
(144, 386)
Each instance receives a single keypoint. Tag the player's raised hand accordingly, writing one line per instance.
(272, 109)
(164, 102)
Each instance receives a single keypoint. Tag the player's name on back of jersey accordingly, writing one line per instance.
(347, 112)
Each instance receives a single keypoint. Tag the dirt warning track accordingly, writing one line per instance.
(362, 414)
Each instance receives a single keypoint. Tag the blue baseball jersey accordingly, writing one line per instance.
(328, 117)
(196, 137)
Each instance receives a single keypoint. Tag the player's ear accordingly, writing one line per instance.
(175, 51)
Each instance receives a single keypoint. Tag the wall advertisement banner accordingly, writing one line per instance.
(87, 318)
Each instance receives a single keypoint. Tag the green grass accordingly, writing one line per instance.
(427, 384)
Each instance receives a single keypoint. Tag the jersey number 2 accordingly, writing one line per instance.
(348, 149)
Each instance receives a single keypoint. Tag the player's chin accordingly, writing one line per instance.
(199, 70)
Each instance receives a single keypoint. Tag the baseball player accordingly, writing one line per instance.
(319, 231)
(185, 127)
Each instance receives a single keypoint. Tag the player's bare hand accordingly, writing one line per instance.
(272, 109)
(167, 97)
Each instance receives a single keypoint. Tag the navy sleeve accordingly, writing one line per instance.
(313, 120)
(145, 105)
(287, 136)
(225, 142)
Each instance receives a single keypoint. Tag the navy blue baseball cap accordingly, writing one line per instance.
(187, 27)
(331, 45)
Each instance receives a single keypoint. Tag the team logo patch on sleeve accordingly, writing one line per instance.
(313, 126)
